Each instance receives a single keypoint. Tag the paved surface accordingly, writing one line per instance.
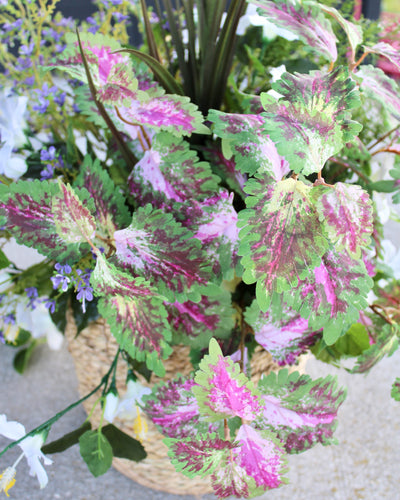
(365, 465)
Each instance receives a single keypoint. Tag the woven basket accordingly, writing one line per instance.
(93, 351)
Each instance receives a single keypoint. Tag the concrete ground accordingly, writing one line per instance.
(365, 464)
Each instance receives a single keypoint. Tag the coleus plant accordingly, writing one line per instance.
(251, 223)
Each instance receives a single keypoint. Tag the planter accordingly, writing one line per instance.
(93, 351)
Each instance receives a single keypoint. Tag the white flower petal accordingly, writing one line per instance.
(111, 406)
(12, 429)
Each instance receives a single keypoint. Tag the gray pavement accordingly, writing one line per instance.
(365, 464)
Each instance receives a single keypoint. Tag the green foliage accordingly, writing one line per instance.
(96, 451)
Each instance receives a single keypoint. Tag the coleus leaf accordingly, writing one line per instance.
(161, 250)
(303, 20)
(72, 219)
(111, 212)
(311, 122)
(214, 223)
(285, 339)
(173, 407)
(353, 31)
(282, 239)
(347, 213)
(385, 343)
(222, 390)
(168, 112)
(333, 294)
(198, 455)
(135, 313)
(195, 324)
(112, 72)
(386, 50)
(380, 88)
(300, 411)
(245, 137)
(52, 218)
(395, 392)
(225, 168)
(171, 171)
(262, 456)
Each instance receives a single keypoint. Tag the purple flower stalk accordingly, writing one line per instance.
(61, 277)
(85, 291)
(32, 294)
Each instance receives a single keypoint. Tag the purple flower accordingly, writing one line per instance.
(48, 155)
(26, 50)
(2, 339)
(85, 291)
(32, 294)
(47, 172)
(29, 81)
(50, 304)
(61, 277)
(9, 319)
(119, 17)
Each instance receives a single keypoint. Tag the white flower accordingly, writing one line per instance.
(39, 323)
(111, 406)
(31, 450)
(126, 407)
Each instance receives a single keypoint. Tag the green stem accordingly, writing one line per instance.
(61, 413)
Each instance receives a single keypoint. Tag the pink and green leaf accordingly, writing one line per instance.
(385, 342)
(199, 455)
(111, 212)
(164, 252)
(223, 391)
(300, 411)
(281, 240)
(52, 218)
(353, 31)
(333, 295)
(312, 121)
(171, 172)
(380, 88)
(195, 324)
(347, 213)
(245, 137)
(135, 313)
(173, 407)
(386, 50)
(262, 456)
(286, 339)
(73, 221)
(303, 20)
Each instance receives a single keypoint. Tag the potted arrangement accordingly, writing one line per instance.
(203, 205)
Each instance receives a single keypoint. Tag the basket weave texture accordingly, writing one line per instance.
(93, 351)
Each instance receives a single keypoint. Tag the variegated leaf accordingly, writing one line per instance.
(303, 20)
(245, 137)
(111, 72)
(195, 324)
(173, 407)
(386, 50)
(380, 88)
(161, 250)
(285, 339)
(311, 122)
(198, 455)
(262, 456)
(135, 313)
(300, 411)
(282, 239)
(347, 213)
(171, 172)
(110, 210)
(222, 390)
(333, 295)
(353, 31)
(73, 221)
(385, 342)
(168, 112)
(52, 218)
(225, 168)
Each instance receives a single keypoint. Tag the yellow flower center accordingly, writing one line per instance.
(140, 426)
(7, 480)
